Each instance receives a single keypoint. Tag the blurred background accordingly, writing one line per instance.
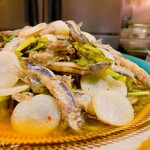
(124, 24)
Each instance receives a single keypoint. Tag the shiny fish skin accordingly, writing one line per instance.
(73, 68)
(84, 101)
(40, 69)
(75, 32)
(62, 93)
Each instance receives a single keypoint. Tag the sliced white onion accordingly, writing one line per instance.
(37, 116)
(93, 83)
(9, 66)
(13, 90)
(112, 108)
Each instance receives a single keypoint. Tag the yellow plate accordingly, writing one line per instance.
(94, 135)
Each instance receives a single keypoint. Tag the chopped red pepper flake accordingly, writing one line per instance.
(49, 118)
(27, 146)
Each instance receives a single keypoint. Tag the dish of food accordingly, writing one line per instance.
(61, 85)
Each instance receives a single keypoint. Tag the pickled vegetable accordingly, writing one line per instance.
(37, 116)
(112, 108)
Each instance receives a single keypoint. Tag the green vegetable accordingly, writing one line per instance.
(129, 84)
(138, 93)
(82, 62)
(39, 46)
(133, 99)
(116, 76)
(25, 44)
(89, 54)
(32, 44)
(112, 73)
(8, 38)
(122, 78)
(43, 40)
